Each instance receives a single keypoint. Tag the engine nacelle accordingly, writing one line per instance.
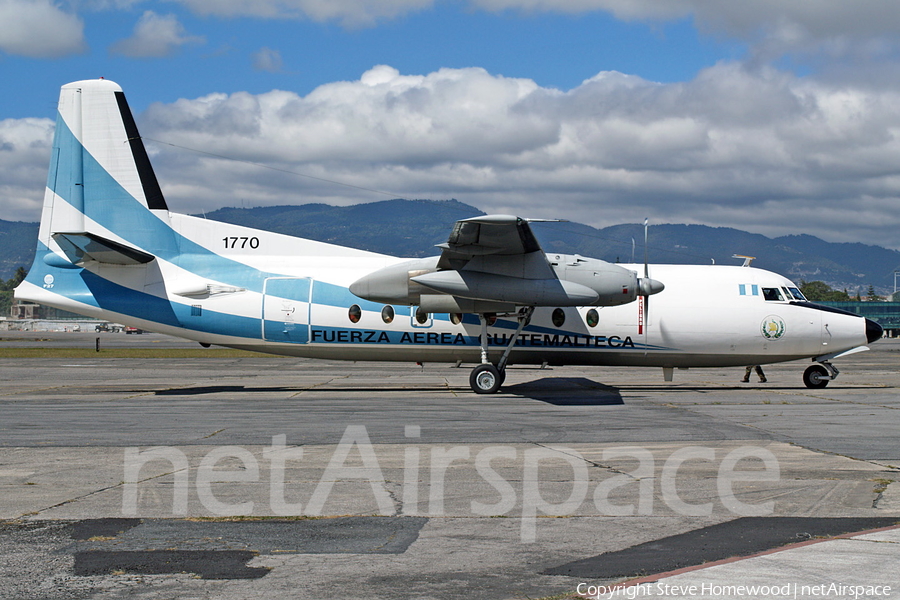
(580, 282)
(442, 303)
(613, 284)
(477, 285)
(393, 284)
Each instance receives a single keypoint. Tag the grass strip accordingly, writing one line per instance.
(127, 353)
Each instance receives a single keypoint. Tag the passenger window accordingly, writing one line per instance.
(772, 294)
(558, 317)
(354, 313)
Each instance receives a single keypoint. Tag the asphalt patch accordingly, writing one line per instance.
(341, 535)
(101, 528)
(220, 549)
(208, 564)
(740, 537)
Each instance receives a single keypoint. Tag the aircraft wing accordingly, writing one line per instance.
(494, 263)
(501, 244)
(497, 258)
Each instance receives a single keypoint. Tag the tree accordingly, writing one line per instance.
(871, 296)
(10, 284)
(815, 290)
(819, 291)
(6, 299)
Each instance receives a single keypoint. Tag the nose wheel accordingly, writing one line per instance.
(818, 376)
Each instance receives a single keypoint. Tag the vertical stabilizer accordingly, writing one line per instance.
(100, 179)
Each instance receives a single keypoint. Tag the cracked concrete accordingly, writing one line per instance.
(468, 465)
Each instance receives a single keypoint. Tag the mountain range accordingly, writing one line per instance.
(413, 227)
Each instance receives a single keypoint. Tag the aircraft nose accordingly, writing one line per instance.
(874, 331)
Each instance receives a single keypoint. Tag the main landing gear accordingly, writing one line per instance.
(817, 376)
(487, 378)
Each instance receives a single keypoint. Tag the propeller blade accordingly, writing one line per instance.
(646, 287)
(646, 322)
(646, 267)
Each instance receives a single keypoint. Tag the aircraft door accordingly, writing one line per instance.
(285, 309)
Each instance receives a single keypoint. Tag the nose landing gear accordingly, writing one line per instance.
(817, 376)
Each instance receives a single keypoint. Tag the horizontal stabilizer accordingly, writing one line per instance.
(83, 247)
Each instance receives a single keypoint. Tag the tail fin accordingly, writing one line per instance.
(101, 187)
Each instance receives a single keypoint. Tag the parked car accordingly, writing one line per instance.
(133, 330)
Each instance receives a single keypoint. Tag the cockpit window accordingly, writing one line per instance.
(797, 294)
(772, 294)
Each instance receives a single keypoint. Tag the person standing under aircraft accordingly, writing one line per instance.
(759, 371)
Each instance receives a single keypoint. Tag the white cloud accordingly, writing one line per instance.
(155, 36)
(24, 155)
(775, 27)
(350, 13)
(755, 149)
(834, 26)
(39, 29)
(266, 59)
(820, 18)
(109, 4)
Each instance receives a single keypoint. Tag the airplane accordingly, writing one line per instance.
(110, 248)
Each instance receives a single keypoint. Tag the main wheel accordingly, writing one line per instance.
(485, 379)
(816, 377)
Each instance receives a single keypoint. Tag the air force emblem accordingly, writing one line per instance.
(772, 327)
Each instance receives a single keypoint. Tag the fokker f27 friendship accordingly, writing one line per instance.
(110, 248)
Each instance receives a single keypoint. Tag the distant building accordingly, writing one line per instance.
(886, 314)
(27, 311)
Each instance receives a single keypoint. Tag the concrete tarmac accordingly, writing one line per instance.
(280, 477)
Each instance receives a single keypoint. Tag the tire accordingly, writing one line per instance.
(485, 379)
(816, 377)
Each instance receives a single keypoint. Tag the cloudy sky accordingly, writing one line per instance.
(771, 116)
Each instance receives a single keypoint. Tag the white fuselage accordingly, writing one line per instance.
(110, 248)
(297, 303)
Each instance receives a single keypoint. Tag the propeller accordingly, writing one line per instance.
(647, 288)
